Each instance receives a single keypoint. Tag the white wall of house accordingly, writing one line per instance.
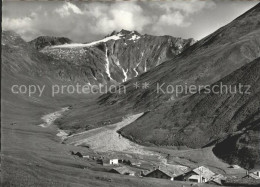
(113, 161)
(198, 179)
(257, 173)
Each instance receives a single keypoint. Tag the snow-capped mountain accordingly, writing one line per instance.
(118, 57)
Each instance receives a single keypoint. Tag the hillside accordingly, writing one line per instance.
(204, 119)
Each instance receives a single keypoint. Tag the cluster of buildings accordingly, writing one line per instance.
(200, 174)
(197, 175)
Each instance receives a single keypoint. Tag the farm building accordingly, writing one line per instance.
(255, 174)
(123, 171)
(160, 173)
(106, 162)
(198, 175)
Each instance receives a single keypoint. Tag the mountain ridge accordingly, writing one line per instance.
(120, 56)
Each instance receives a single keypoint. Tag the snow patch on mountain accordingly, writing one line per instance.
(107, 65)
(125, 74)
(75, 45)
(135, 37)
(136, 72)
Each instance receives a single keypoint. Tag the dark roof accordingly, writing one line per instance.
(171, 170)
(123, 170)
(163, 170)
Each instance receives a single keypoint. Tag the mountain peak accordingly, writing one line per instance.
(123, 32)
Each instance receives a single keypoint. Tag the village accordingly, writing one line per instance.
(200, 174)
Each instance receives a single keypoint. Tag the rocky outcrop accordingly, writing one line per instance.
(43, 41)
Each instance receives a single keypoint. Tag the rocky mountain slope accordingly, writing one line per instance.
(206, 118)
(201, 119)
(43, 41)
(21, 58)
(118, 57)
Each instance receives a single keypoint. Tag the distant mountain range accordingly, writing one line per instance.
(115, 59)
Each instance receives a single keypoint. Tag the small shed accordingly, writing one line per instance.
(107, 162)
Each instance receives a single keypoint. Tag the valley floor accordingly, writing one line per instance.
(36, 156)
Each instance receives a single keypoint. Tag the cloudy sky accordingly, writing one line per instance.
(89, 21)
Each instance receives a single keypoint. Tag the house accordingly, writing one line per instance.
(217, 179)
(160, 173)
(106, 162)
(254, 174)
(113, 161)
(86, 156)
(123, 171)
(199, 175)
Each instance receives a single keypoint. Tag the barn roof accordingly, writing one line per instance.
(123, 170)
(163, 170)
(204, 172)
(171, 170)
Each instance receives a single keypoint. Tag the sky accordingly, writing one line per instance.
(90, 21)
